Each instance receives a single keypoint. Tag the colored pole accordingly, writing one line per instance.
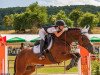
(3, 56)
(84, 62)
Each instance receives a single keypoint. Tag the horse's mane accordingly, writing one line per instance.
(73, 29)
(72, 32)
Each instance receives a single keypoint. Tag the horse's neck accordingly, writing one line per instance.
(60, 48)
(72, 35)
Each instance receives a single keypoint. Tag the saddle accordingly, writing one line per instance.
(47, 46)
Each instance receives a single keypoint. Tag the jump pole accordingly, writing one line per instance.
(3, 57)
(84, 64)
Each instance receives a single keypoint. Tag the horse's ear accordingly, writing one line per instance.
(84, 27)
(88, 27)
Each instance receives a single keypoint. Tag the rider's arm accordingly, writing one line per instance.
(53, 30)
(58, 33)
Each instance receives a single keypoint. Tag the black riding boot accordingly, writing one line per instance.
(41, 49)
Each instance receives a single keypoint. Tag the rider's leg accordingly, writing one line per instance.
(41, 46)
(42, 41)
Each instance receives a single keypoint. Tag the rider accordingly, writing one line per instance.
(59, 26)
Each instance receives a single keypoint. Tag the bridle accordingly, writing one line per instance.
(82, 40)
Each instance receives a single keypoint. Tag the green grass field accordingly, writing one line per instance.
(55, 68)
(47, 69)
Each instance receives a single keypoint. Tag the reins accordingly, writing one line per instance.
(71, 38)
(64, 41)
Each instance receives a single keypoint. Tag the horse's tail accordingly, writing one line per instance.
(15, 66)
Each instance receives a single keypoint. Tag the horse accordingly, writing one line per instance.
(26, 60)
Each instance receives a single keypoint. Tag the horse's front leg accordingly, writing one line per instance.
(77, 59)
(74, 61)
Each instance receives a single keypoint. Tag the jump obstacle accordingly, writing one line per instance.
(3, 56)
(84, 64)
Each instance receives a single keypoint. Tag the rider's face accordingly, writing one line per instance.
(61, 27)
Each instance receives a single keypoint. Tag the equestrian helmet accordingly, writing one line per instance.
(59, 23)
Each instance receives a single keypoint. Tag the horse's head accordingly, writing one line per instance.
(81, 36)
(84, 40)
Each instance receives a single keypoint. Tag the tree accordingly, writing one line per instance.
(8, 20)
(98, 15)
(74, 16)
(38, 15)
(21, 22)
(60, 16)
(17, 22)
(88, 19)
(34, 16)
(52, 19)
(69, 22)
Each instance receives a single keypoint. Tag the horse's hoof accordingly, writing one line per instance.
(75, 64)
(67, 67)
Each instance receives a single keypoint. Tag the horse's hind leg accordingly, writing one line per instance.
(29, 70)
(20, 70)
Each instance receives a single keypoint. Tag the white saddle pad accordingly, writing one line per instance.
(36, 49)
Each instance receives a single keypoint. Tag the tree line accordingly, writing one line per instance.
(8, 11)
(37, 16)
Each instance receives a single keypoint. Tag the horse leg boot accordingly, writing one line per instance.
(72, 63)
(77, 59)
(41, 56)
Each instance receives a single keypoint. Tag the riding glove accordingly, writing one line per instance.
(65, 29)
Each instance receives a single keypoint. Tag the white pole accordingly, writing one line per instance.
(89, 64)
(3, 69)
(79, 62)
(6, 60)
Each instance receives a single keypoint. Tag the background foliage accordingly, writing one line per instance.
(22, 18)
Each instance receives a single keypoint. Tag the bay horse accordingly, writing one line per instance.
(60, 52)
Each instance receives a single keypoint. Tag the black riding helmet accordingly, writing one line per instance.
(59, 23)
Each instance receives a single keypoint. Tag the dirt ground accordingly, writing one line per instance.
(95, 30)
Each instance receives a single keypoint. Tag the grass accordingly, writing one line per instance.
(53, 68)
(11, 64)
(47, 69)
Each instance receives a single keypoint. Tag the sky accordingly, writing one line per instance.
(25, 3)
